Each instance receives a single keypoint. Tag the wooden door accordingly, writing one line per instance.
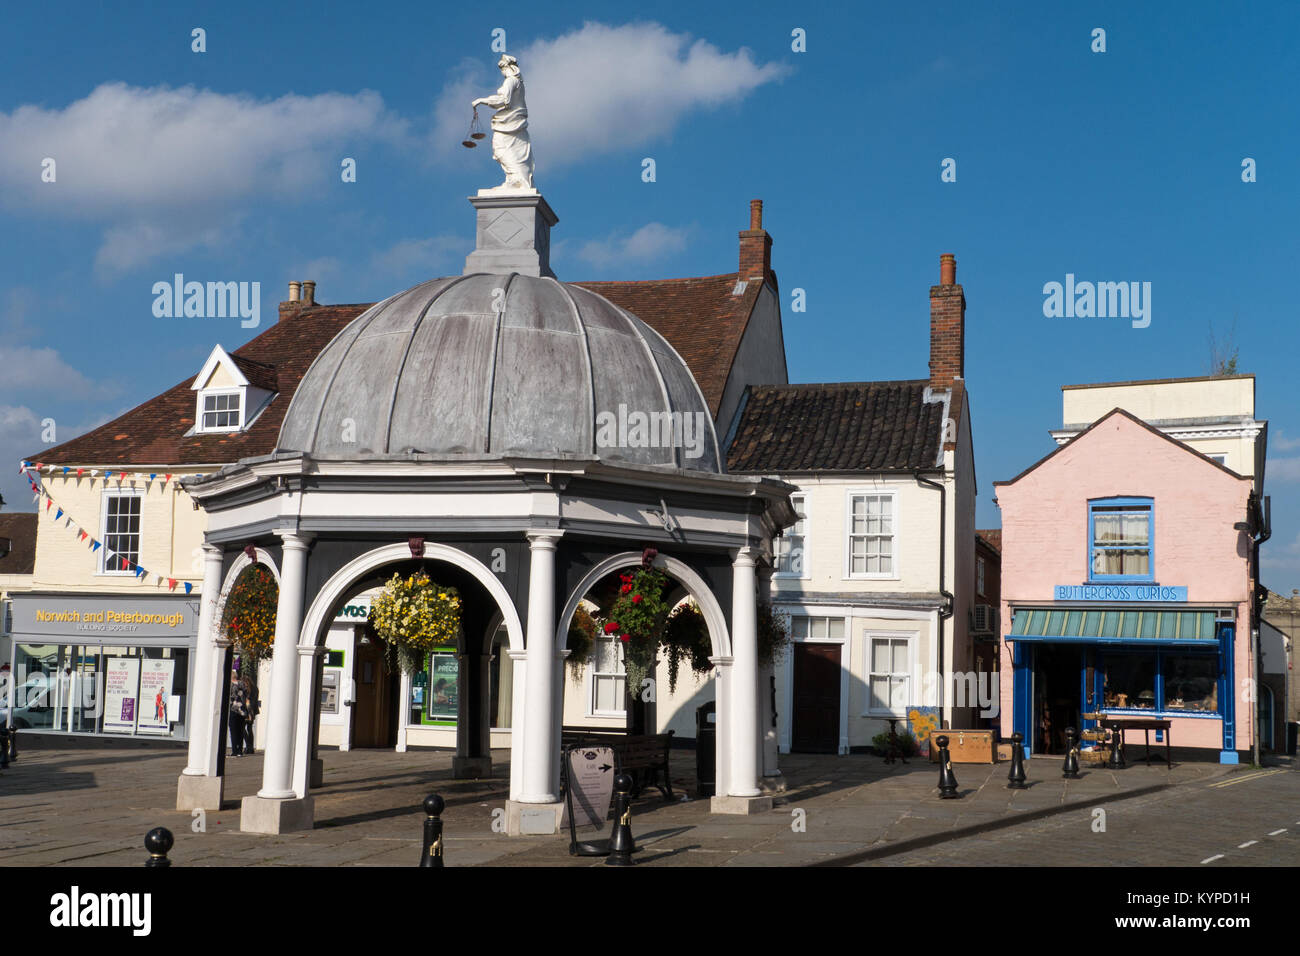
(370, 710)
(816, 727)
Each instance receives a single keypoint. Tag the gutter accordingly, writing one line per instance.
(947, 610)
(1265, 506)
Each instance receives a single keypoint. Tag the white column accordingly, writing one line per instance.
(209, 664)
(518, 689)
(303, 723)
(540, 745)
(744, 688)
(277, 770)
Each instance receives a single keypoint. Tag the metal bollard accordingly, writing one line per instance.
(621, 844)
(431, 855)
(4, 748)
(1070, 770)
(13, 743)
(1116, 761)
(947, 779)
(158, 842)
(1016, 778)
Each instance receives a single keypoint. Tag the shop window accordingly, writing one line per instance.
(1191, 683)
(608, 678)
(889, 681)
(1120, 539)
(871, 539)
(121, 531)
(792, 546)
(1130, 682)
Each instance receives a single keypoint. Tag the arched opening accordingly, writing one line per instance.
(445, 703)
(596, 693)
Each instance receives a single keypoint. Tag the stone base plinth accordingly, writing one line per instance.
(740, 805)
(471, 768)
(265, 815)
(513, 235)
(533, 819)
(199, 793)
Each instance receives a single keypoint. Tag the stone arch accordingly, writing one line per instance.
(675, 568)
(334, 589)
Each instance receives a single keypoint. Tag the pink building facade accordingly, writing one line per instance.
(1128, 568)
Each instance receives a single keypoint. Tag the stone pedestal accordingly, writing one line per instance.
(740, 805)
(266, 815)
(195, 792)
(471, 768)
(533, 819)
(514, 234)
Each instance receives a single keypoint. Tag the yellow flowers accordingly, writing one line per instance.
(414, 616)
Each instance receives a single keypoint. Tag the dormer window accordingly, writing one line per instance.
(232, 392)
(222, 411)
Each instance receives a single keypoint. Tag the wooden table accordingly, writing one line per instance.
(1117, 726)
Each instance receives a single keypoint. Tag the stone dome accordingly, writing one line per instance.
(488, 366)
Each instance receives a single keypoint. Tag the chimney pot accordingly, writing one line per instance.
(295, 291)
(947, 269)
(756, 214)
(309, 292)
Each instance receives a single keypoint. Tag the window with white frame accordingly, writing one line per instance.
(803, 628)
(871, 541)
(889, 680)
(221, 411)
(792, 546)
(608, 677)
(121, 531)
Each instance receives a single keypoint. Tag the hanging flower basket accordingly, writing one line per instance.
(686, 638)
(773, 636)
(412, 616)
(248, 617)
(582, 637)
(637, 617)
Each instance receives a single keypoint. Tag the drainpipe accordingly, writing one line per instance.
(946, 611)
(1257, 612)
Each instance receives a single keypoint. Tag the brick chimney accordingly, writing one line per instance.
(756, 247)
(947, 326)
(302, 295)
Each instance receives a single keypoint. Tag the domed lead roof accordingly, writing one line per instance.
(499, 365)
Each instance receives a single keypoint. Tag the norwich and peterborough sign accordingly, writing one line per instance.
(1139, 593)
(48, 615)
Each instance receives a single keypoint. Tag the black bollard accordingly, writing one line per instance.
(621, 844)
(1016, 778)
(1070, 770)
(947, 779)
(158, 842)
(1116, 761)
(4, 748)
(431, 855)
(13, 743)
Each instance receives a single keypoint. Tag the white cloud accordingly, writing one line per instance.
(1282, 469)
(168, 168)
(1280, 442)
(425, 256)
(28, 369)
(602, 88)
(652, 241)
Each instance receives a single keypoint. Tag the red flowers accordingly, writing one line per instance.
(624, 638)
(610, 627)
(636, 599)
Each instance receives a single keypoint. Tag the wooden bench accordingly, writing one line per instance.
(644, 757)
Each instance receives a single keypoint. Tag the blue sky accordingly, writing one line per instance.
(224, 165)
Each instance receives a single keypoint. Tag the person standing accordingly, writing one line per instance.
(252, 706)
(238, 714)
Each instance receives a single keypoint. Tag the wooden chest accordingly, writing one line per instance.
(966, 746)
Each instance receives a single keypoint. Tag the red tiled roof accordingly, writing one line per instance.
(848, 426)
(992, 537)
(20, 528)
(699, 317)
(153, 433)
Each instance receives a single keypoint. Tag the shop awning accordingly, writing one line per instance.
(1117, 626)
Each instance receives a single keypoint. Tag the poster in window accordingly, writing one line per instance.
(155, 711)
(121, 694)
(444, 678)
